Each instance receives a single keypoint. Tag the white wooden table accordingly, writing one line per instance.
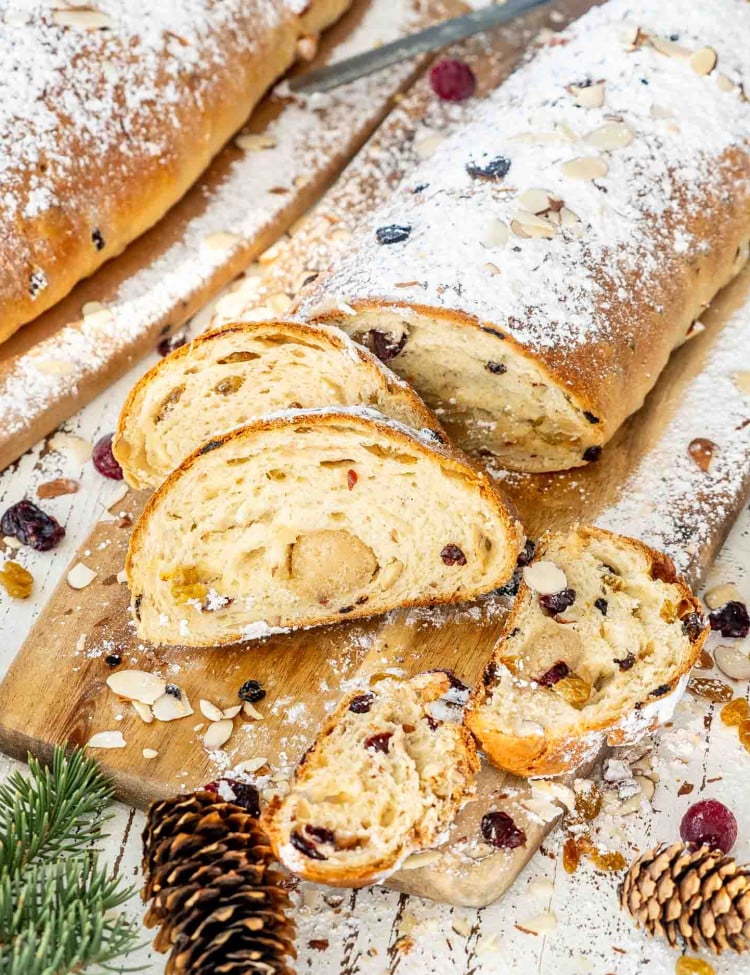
(376, 931)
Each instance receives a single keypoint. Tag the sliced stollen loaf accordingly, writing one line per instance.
(310, 517)
(226, 378)
(532, 277)
(597, 647)
(384, 779)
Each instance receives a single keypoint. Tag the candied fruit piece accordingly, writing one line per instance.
(685, 965)
(384, 345)
(16, 580)
(229, 385)
(744, 733)
(589, 802)
(362, 703)
(609, 861)
(571, 855)
(734, 713)
(575, 690)
(380, 742)
(701, 452)
(709, 823)
(185, 585)
(394, 233)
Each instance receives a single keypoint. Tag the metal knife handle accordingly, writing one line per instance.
(431, 39)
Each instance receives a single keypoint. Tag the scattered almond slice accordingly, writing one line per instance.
(732, 662)
(427, 858)
(425, 146)
(231, 712)
(670, 48)
(254, 142)
(585, 167)
(209, 710)
(542, 923)
(150, 753)
(611, 135)
(143, 711)
(251, 765)
(76, 448)
(742, 381)
(83, 19)
(220, 241)
(719, 595)
(168, 707)
(106, 739)
(137, 685)
(726, 84)
(703, 61)
(80, 576)
(217, 734)
(545, 578)
(251, 712)
(494, 233)
(307, 47)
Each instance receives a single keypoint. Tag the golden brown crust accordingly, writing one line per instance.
(125, 190)
(553, 755)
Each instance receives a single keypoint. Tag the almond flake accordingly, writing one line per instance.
(670, 48)
(726, 84)
(717, 596)
(307, 47)
(585, 167)
(209, 710)
(255, 143)
(704, 61)
(590, 96)
(171, 708)
(54, 367)
(568, 218)
(742, 381)
(427, 858)
(425, 147)
(251, 765)
(82, 19)
(279, 303)
(545, 578)
(136, 685)
(106, 739)
(221, 241)
(80, 576)
(150, 753)
(492, 268)
(629, 35)
(217, 734)
(543, 923)
(494, 233)
(538, 201)
(76, 448)
(231, 712)
(732, 662)
(251, 712)
(647, 786)
(143, 711)
(611, 135)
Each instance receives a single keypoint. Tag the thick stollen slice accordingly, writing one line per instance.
(384, 779)
(309, 517)
(597, 648)
(226, 378)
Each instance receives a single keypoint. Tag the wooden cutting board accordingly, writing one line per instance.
(646, 484)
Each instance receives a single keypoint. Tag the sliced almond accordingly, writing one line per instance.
(718, 596)
(611, 135)
(106, 739)
(568, 218)
(531, 225)
(150, 753)
(425, 147)
(251, 765)
(252, 142)
(703, 61)
(143, 711)
(251, 712)
(494, 233)
(588, 96)
(217, 734)
(221, 241)
(742, 381)
(724, 83)
(537, 201)
(545, 578)
(168, 707)
(80, 576)
(57, 488)
(732, 661)
(279, 303)
(647, 786)
(670, 48)
(82, 19)
(427, 858)
(231, 712)
(76, 448)
(137, 685)
(585, 167)
(629, 35)
(209, 710)
(542, 923)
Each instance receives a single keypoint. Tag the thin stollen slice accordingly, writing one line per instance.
(226, 378)
(385, 778)
(310, 517)
(597, 648)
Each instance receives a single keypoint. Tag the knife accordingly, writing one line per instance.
(431, 39)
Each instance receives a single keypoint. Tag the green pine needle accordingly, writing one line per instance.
(58, 905)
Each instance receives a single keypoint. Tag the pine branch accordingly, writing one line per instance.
(58, 905)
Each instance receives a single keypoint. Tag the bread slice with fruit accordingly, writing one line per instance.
(311, 517)
(224, 379)
(385, 778)
(596, 649)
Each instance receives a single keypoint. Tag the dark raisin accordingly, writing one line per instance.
(591, 417)
(104, 460)
(394, 233)
(32, 526)
(660, 691)
(557, 602)
(346, 609)
(379, 742)
(452, 555)
(510, 588)
(494, 169)
(173, 690)
(384, 345)
(362, 703)
(37, 282)
(731, 619)
(592, 453)
(557, 672)
(602, 605)
(251, 691)
(528, 552)
(97, 239)
(493, 331)
(305, 847)
(321, 834)
(499, 830)
(693, 625)
(433, 724)
(209, 446)
(171, 342)
(245, 794)
(420, 187)
(627, 661)
(137, 606)
(113, 660)
(496, 367)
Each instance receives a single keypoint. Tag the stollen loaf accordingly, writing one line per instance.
(110, 111)
(310, 517)
(384, 779)
(597, 648)
(532, 277)
(225, 378)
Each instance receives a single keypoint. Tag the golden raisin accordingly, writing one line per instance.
(701, 451)
(735, 712)
(574, 689)
(16, 580)
(229, 385)
(608, 861)
(710, 689)
(571, 855)
(692, 966)
(589, 802)
(185, 585)
(668, 611)
(744, 733)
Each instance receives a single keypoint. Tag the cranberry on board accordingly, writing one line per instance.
(731, 619)
(452, 80)
(104, 459)
(709, 823)
(499, 830)
(32, 526)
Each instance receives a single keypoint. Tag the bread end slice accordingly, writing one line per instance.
(597, 649)
(384, 779)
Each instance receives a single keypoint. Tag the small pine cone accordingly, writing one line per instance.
(220, 905)
(699, 896)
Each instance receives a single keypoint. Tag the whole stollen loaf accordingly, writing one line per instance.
(532, 277)
(109, 112)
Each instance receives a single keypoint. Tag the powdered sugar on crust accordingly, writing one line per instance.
(477, 246)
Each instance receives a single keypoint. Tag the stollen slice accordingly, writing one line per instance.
(384, 779)
(310, 517)
(225, 378)
(597, 649)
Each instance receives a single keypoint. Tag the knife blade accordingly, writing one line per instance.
(431, 39)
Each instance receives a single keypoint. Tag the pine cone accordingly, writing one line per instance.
(221, 906)
(699, 896)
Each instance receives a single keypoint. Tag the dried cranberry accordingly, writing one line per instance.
(602, 605)
(591, 417)
(380, 742)
(394, 233)
(557, 672)
(592, 453)
(732, 619)
(452, 80)
(626, 662)
(527, 554)
(660, 691)
(385, 346)
(452, 555)
(709, 823)
(493, 169)
(692, 625)
(557, 602)
(499, 830)
(351, 479)
(252, 691)
(113, 660)
(362, 703)
(104, 459)
(305, 847)
(171, 342)
(32, 526)
(245, 794)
